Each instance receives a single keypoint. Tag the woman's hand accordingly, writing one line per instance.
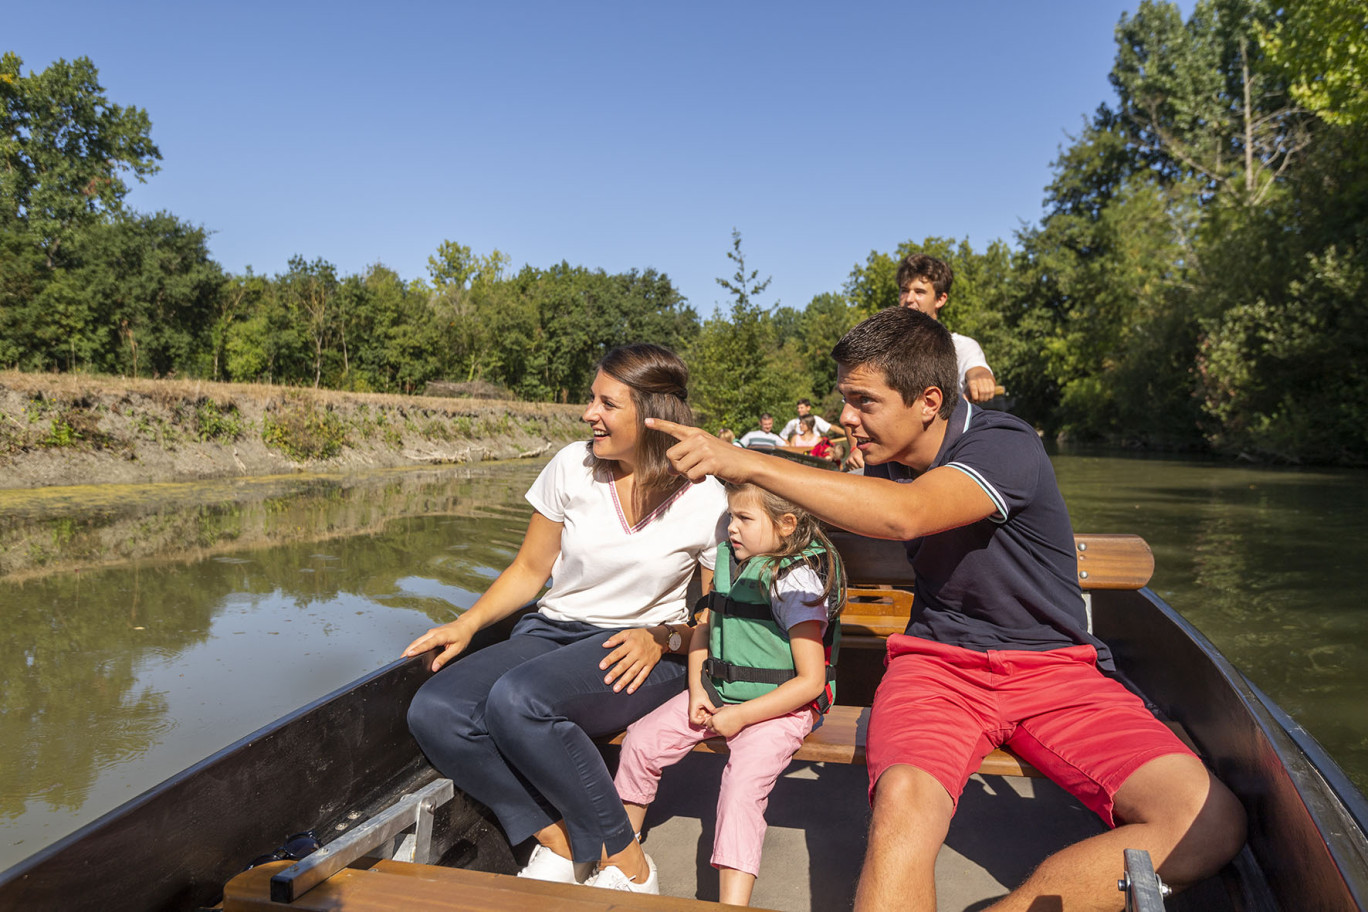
(634, 653)
(452, 638)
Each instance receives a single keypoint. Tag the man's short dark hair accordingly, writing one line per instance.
(807, 402)
(912, 350)
(924, 266)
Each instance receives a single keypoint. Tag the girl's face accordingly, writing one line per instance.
(612, 416)
(750, 529)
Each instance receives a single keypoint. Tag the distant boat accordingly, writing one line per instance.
(336, 764)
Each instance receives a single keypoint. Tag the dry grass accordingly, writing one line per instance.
(75, 386)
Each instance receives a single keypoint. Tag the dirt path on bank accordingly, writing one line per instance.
(61, 429)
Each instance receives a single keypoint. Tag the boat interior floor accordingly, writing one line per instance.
(818, 816)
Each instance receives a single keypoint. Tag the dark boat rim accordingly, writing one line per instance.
(41, 856)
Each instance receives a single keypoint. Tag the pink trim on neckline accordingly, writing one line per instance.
(622, 517)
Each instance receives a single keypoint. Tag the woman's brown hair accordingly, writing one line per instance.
(659, 381)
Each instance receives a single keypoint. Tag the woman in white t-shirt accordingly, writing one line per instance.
(619, 537)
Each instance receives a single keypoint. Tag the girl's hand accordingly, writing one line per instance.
(452, 638)
(700, 708)
(725, 722)
(634, 653)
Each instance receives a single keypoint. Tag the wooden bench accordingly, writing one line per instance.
(876, 608)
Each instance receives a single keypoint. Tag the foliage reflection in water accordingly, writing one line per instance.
(114, 677)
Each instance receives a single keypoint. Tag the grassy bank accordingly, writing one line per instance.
(63, 429)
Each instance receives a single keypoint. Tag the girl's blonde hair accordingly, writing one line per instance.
(808, 531)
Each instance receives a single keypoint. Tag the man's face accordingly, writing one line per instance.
(803, 409)
(920, 294)
(766, 423)
(881, 426)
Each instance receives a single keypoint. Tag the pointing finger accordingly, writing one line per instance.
(677, 431)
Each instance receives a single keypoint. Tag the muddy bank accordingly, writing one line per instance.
(58, 429)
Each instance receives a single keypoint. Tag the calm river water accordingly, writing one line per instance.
(145, 628)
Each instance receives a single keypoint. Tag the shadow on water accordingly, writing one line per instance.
(157, 624)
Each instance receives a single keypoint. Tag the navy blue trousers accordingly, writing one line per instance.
(513, 726)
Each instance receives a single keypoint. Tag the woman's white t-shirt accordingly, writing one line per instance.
(612, 575)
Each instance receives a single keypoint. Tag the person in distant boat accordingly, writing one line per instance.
(997, 651)
(765, 436)
(619, 537)
(728, 435)
(804, 408)
(807, 434)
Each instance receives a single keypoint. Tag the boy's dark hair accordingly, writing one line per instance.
(923, 266)
(805, 401)
(910, 349)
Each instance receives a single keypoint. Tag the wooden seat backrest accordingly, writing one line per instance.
(1104, 561)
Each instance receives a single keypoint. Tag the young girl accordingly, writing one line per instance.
(761, 669)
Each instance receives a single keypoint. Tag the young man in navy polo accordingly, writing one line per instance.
(997, 651)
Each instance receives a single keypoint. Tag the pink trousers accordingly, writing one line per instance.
(759, 753)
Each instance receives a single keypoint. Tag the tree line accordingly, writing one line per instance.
(1198, 280)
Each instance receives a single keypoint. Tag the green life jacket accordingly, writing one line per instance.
(748, 651)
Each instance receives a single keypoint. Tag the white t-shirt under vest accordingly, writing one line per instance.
(609, 574)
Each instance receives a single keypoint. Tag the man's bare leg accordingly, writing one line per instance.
(912, 814)
(1187, 820)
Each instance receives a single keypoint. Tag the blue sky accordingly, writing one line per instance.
(609, 135)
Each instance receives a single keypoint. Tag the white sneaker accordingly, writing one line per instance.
(545, 864)
(610, 877)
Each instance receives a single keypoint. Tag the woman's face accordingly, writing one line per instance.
(612, 416)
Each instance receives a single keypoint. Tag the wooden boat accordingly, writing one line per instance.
(333, 765)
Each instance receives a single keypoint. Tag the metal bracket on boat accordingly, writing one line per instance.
(1144, 890)
(414, 810)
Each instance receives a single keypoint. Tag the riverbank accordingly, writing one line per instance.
(63, 429)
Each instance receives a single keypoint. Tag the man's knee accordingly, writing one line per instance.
(1203, 822)
(909, 800)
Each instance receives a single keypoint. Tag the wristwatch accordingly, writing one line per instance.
(675, 640)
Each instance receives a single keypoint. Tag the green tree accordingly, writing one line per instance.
(738, 369)
(1321, 48)
(742, 286)
(63, 151)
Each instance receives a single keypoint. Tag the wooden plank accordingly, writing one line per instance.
(392, 886)
(1113, 561)
(1104, 561)
(841, 739)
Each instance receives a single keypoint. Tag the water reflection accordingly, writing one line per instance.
(1268, 563)
(112, 678)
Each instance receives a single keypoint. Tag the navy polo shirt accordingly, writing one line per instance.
(1009, 581)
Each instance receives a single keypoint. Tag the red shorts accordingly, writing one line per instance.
(942, 709)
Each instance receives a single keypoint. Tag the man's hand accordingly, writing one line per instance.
(699, 454)
(981, 384)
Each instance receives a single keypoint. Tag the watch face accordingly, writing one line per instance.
(675, 640)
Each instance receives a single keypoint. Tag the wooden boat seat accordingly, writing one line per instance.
(876, 608)
(841, 739)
